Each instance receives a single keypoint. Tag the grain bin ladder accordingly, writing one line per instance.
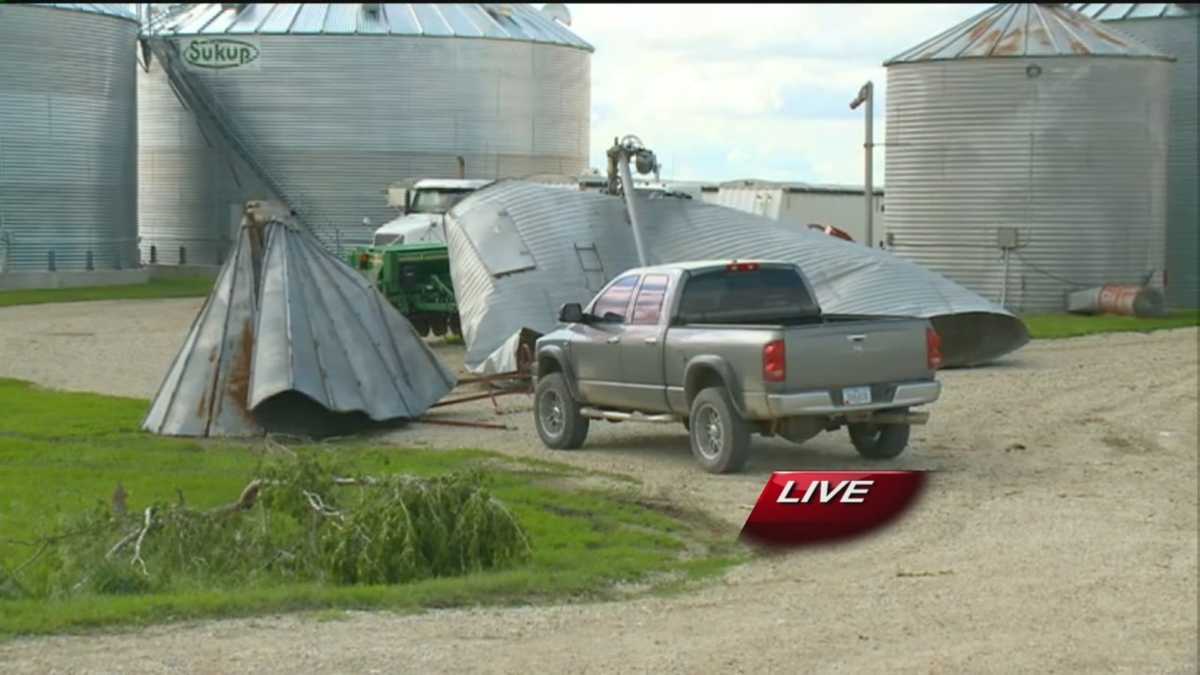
(194, 94)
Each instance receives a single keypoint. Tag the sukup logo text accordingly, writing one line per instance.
(219, 53)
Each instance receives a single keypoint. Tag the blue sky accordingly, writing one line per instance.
(748, 91)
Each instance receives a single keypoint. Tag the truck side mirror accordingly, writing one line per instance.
(572, 312)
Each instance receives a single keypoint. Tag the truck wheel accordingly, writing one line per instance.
(437, 324)
(556, 414)
(879, 441)
(455, 325)
(420, 323)
(720, 437)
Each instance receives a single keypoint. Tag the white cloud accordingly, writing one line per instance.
(735, 91)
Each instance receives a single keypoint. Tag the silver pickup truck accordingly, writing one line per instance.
(729, 348)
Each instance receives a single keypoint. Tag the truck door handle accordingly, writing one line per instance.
(614, 339)
(651, 341)
(856, 338)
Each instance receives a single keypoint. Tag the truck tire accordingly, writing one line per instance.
(437, 324)
(879, 441)
(455, 325)
(420, 324)
(556, 414)
(720, 437)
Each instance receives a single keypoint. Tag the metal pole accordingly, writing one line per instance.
(869, 181)
(630, 195)
(867, 95)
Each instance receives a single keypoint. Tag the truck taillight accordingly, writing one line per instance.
(933, 349)
(774, 361)
(736, 266)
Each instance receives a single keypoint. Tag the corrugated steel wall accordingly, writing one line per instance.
(338, 118)
(67, 139)
(1074, 158)
(192, 184)
(1179, 37)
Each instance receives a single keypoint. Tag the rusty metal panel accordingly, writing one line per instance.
(284, 330)
(204, 391)
(848, 278)
(336, 118)
(1071, 152)
(1025, 30)
(68, 141)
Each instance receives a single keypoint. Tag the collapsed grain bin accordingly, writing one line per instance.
(1175, 30)
(324, 105)
(518, 251)
(1026, 155)
(67, 137)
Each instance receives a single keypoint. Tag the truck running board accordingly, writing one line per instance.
(615, 416)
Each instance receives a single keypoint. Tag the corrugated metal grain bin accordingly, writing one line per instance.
(67, 137)
(1026, 155)
(338, 101)
(1175, 30)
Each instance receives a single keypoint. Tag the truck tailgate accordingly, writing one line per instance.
(848, 353)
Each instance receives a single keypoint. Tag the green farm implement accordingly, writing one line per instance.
(415, 278)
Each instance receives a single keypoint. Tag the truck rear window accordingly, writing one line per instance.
(765, 295)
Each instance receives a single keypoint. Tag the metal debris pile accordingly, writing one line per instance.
(291, 340)
(518, 251)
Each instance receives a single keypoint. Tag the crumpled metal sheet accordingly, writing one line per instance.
(296, 342)
(578, 241)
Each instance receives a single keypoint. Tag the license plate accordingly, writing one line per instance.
(856, 395)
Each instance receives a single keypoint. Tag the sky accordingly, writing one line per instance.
(727, 91)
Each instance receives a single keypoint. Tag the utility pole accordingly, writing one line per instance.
(867, 95)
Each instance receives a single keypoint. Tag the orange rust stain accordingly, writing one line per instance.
(1010, 44)
(1111, 38)
(238, 386)
(1078, 47)
(981, 28)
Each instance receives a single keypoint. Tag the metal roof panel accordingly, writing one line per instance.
(1027, 30)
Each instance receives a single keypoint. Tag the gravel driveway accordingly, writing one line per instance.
(1058, 533)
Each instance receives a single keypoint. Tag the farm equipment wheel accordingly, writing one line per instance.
(456, 324)
(437, 324)
(420, 324)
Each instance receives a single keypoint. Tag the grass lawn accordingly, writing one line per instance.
(183, 287)
(1050, 326)
(61, 452)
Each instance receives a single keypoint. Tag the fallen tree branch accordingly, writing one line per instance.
(137, 549)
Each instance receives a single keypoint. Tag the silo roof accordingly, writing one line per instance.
(119, 10)
(1112, 11)
(518, 22)
(1024, 30)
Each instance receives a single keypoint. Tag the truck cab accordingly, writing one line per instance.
(423, 208)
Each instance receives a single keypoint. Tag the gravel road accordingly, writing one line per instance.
(1058, 533)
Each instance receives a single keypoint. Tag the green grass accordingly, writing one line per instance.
(61, 452)
(1052, 326)
(183, 287)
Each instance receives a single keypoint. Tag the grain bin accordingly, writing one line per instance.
(338, 101)
(67, 137)
(1026, 155)
(1175, 30)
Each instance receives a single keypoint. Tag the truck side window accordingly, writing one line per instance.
(616, 298)
(648, 306)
